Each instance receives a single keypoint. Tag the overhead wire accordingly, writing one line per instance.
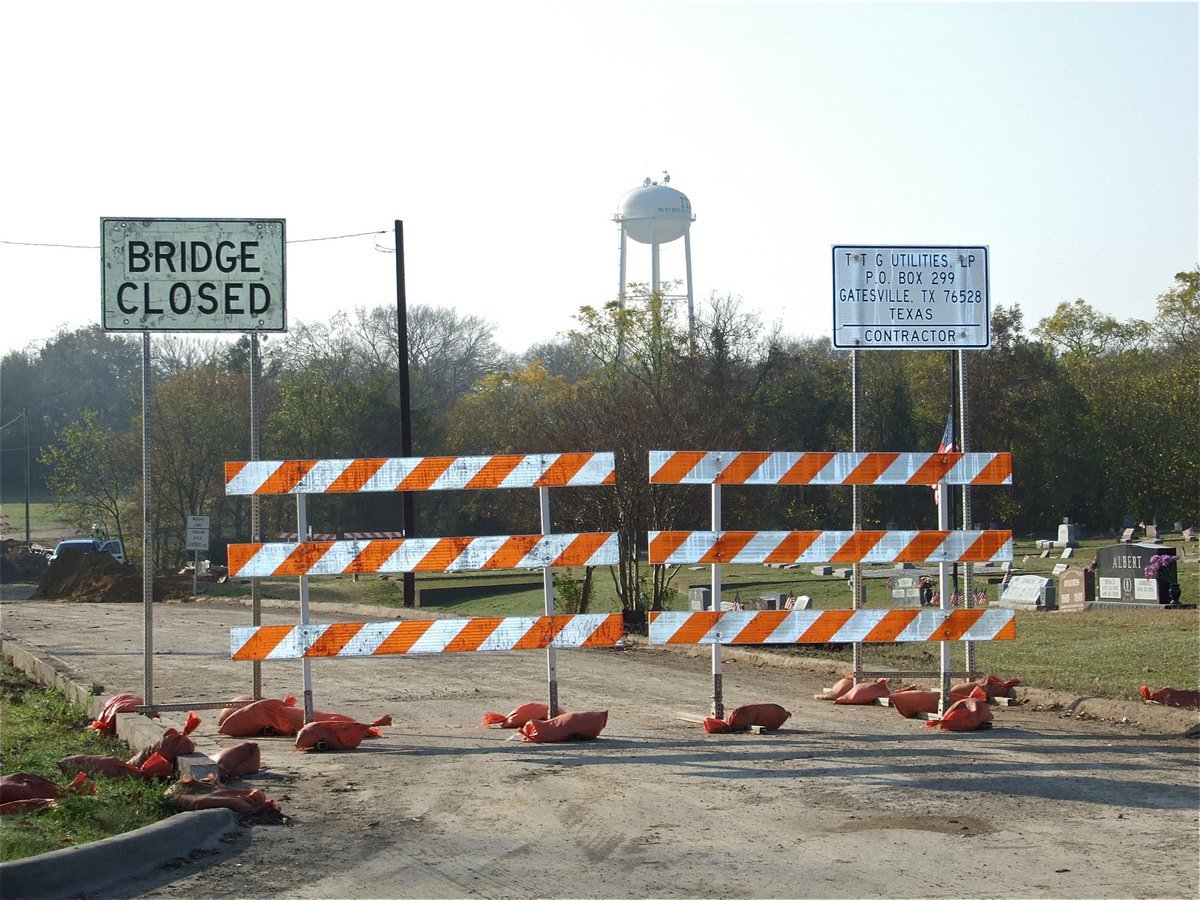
(332, 237)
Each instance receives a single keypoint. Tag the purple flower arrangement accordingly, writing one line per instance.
(1158, 562)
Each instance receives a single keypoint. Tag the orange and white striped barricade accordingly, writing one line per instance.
(791, 547)
(419, 473)
(366, 552)
(834, 626)
(809, 468)
(446, 554)
(716, 547)
(403, 638)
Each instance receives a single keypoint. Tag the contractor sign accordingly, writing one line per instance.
(192, 274)
(910, 298)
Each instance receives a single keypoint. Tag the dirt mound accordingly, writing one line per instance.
(19, 563)
(98, 578)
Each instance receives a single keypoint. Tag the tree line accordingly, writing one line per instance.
(1101, 417)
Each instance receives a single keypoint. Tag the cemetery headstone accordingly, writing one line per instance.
(700, 598)
(1121, 574)
(1028, 592)
(1076, 589)
(1068, 534)
(906, 590)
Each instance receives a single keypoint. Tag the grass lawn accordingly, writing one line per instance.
(1102, 653)
(40, 728)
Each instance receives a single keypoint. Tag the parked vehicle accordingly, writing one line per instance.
(91, 545)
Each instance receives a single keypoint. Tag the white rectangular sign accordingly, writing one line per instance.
(197, 532)
(910, 298)
(192, 274)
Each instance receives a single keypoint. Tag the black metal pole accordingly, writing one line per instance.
(410, 592)
(25, 416)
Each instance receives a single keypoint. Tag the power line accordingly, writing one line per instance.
(332, 237)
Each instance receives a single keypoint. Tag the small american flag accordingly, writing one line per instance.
(946, 446)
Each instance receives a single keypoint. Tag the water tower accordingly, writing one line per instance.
(655, 214)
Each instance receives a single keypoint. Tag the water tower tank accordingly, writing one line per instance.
(655, 213)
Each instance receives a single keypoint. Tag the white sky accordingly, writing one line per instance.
(504, 135)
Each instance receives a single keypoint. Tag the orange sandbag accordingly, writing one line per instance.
(991, 687)
(156, 766)
(27, 786)
(911, 703)
(865, 693)
(526, 712)
(96, 765)
(119, 703)
(998, 687)
(838, 689)
(238, 760)
(333, 735)
(188, 794)
(576, 726)
(968, 714)
(173, 743)
(230, 710)
(1172, 697)
(263, 717)
(764, 715)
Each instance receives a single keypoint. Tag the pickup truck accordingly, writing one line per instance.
(91, 545)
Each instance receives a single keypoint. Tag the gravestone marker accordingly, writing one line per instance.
(1076, 589)
(906, 590)
(1121, 574)
(1028, 592)
(1059, 568)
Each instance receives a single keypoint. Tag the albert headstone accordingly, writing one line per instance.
(1028, 592)
(1121, 574)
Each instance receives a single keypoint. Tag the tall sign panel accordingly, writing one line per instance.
(193, 274)
(910, 298)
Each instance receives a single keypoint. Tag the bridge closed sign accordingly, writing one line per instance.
(910, 298)
(193, 274)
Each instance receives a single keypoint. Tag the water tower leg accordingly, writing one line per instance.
(621, 286)
(687, 262)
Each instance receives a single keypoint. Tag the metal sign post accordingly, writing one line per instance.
(173, 274)
(147, 535)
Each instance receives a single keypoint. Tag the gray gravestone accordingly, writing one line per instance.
(1028, 592)
(906, 590)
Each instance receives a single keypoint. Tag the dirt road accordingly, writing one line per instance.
(843, 802)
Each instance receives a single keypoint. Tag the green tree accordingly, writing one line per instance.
(94, 471)
(191, 440)
(1177, 324)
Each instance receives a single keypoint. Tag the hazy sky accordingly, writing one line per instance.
(1063, 136)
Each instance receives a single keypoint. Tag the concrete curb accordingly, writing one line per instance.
(90, 868)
